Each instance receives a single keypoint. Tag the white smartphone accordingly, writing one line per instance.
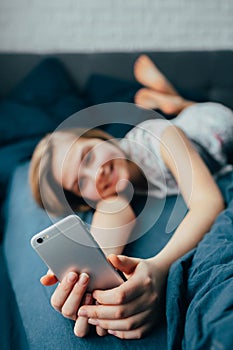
(69, 246)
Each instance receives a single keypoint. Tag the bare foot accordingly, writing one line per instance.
(146, 73)
(151, 99)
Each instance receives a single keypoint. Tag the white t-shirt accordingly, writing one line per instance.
(210, 124)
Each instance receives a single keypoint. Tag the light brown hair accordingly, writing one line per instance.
(46, 191)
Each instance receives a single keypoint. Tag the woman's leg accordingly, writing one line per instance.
(151, 99)
(147, 74)
(158, 92)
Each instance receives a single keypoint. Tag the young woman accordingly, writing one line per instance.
(93, 170)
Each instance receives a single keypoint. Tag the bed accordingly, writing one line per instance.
(38, 92)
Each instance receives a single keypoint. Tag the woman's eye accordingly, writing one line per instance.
(88, 157)
(81, 184)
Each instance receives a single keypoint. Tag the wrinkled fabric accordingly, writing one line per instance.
(200, 289)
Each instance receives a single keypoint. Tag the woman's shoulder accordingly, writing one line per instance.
(143, 141)
(151, 126)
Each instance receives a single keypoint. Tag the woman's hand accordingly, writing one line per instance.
(68, 297)
(130, 310)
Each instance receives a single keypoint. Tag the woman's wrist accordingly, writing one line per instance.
(159, 274)
(160, 262)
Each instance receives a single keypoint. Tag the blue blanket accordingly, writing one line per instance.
(200, 289)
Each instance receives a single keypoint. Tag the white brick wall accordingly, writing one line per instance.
(115, 25)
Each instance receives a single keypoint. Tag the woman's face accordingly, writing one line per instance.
(90, 168)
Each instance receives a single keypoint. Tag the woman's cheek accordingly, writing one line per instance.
(91, 193)
(95, 197)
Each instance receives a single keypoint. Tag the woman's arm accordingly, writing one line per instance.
(130, 310)
(112, 224)
(199, 190)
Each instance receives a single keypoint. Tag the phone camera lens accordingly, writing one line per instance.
(40, 240)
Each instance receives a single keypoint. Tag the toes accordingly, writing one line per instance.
(144, 99)
(140, 65)
(149, 75)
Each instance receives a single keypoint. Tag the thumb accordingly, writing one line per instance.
(49, 279)
(123, 263)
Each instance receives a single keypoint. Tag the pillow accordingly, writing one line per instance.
(45, 84)
(36, 106)
(102, 88)
(12, 155)
(20, 121)
(50, 86)
(66, 106)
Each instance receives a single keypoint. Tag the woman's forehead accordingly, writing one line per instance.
(67, 151)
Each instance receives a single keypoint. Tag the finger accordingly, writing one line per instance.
(48, 280)
(127, 324)
(63, 290)
(134, 334)
(74, 299)
(100, 331)
(117, 305)
(136, 285)
(116, 312)
(123, 263)
(129, 290)
(81, 327)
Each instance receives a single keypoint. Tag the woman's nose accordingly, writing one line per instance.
(94, 174)
(100, 176)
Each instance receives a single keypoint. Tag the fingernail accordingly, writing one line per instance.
(83, 278)
(82, 312)
(111, 332)
(71, 277)
(93, 321)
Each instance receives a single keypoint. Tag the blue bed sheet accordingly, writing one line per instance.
(200, 289)
(44, 327)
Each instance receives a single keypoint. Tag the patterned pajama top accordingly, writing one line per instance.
(209, 124)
